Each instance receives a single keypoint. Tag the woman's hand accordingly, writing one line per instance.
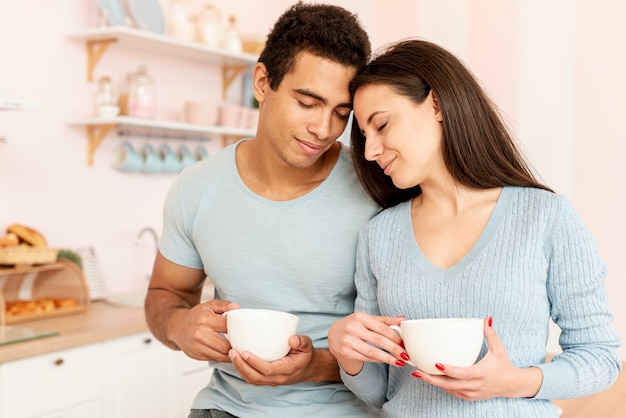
(493, 376)
(360, 337)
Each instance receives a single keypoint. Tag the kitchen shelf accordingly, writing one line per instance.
(9, 104)
(99, 128)
(98, 40)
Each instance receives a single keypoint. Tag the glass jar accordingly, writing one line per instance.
(232, 40)
(141, 94)
(210, 27)
(105, 101)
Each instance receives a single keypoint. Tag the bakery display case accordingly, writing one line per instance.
(32, 292)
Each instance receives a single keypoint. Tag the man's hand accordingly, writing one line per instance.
(303, 363)
(196, 331)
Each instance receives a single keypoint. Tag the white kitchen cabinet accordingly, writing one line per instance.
(136, 377)
(90, 409)
(128, 377)
(188, 376)
(58, 384)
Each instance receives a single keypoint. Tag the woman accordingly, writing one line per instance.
(466, 231)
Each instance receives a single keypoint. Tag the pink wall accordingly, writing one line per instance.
(555, 69)
(600, 136)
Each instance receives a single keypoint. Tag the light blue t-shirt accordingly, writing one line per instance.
(535, 260)
(295, 256)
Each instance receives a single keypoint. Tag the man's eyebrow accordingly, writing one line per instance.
(315, 96)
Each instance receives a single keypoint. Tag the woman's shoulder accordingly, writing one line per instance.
(390, 215)
(532, 198)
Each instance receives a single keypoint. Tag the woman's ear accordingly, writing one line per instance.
(260, 83)
(436, 108)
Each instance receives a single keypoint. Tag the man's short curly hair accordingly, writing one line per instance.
(325, 30)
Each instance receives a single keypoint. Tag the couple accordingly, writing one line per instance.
(465, 230)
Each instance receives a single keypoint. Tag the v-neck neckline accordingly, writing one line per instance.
(495, 219)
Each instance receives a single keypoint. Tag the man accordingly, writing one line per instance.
(272, 221)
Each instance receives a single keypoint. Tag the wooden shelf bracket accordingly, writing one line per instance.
(95, 51)
(229, 74)
(95, 136)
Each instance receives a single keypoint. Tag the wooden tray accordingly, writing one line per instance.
(62, 279)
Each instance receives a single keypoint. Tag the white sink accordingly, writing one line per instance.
(133, 299)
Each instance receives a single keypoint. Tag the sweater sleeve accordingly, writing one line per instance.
(589, 362)
(370, 385)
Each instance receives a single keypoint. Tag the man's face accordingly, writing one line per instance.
(304, 117)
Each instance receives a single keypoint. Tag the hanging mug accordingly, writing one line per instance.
(127, 159)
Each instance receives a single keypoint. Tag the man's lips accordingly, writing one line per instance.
(309, 148)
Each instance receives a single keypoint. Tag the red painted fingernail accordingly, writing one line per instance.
(490, 321)
(404, 356)
(402, 344)
(440, 366)
(417, 374)
(399, 363)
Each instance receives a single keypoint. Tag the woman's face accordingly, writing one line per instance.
(404, 138)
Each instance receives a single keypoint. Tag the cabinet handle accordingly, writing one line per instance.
(147, 341)
(59, 362)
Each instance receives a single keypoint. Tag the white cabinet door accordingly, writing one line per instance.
(90, 409)
(136, 377)
(51, 382)
(187, 377)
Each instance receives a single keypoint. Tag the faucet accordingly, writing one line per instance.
(155, 238)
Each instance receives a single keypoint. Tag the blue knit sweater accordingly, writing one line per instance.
(534, 260)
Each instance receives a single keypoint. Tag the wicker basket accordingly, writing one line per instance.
(27, 255)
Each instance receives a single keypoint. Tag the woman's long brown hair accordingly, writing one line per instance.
(478, 149)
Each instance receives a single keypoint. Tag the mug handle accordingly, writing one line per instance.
(397, 329)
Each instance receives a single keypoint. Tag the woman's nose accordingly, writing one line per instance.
(373, 149)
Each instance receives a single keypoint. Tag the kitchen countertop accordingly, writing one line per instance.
(101, 322)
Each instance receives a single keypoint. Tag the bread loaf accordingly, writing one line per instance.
(28, 235)
(9, 240)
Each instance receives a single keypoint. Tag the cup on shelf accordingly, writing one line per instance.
(231, 115)
(127, 159)
(185, 157)
(201, 113)
(253, 118)
(171, 163)
(152, 162)
(107, 111)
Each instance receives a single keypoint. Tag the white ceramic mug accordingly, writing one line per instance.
(262, 332)
(453, 341)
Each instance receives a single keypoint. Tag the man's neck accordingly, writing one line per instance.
(273, 179)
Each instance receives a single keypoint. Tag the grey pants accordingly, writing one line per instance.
(209, 413)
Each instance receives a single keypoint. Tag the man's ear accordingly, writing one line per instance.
(436, 108)
(260, 83)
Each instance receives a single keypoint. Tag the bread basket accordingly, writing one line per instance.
(27, 255)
